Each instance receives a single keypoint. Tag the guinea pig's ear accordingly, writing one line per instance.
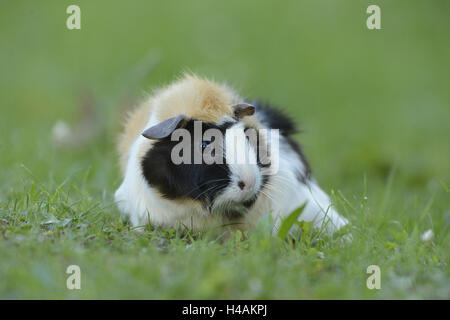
(165, 128)
(243, 109)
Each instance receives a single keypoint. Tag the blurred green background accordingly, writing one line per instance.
(370, 103)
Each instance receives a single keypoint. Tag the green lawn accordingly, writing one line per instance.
(374, 107)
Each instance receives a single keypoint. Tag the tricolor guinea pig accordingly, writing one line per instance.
(167, 181)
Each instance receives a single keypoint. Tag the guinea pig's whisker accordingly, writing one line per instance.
(267, 195)
(214, 188)
(283, 180)
(271, 188)
(280, 177)
(207, 190)
(204, 183)
(216, 180)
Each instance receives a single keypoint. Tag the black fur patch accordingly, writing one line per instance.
(192, 181)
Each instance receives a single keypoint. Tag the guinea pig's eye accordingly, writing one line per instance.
(205, 144)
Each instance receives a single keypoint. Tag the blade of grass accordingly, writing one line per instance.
(289, 221)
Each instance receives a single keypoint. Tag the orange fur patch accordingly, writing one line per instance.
(196, 98)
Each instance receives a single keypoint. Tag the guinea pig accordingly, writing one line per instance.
(200, 195)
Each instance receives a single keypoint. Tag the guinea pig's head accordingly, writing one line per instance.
(216, 164)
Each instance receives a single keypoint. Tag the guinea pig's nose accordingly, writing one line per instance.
(241, 184)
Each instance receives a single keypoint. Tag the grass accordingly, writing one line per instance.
(374, 108)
